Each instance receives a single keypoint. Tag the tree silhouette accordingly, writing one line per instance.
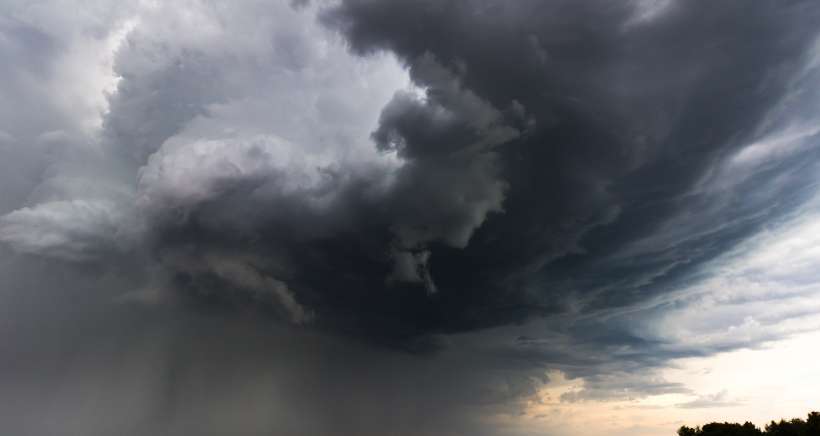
(794, 427)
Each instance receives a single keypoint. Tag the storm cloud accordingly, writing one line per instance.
(421, 206)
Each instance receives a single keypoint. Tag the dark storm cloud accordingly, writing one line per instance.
(549, 161)
(558, 173)
(551, 139)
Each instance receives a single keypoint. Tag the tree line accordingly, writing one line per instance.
(795, 427)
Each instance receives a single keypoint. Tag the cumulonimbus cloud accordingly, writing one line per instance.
(405, 172)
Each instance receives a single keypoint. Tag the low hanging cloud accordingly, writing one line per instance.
(719, 399)
(620, 387)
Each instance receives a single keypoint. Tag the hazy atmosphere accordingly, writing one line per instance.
(407, 217)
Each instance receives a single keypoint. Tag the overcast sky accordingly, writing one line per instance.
(407, 217)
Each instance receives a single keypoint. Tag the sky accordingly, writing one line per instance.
(407, 217)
